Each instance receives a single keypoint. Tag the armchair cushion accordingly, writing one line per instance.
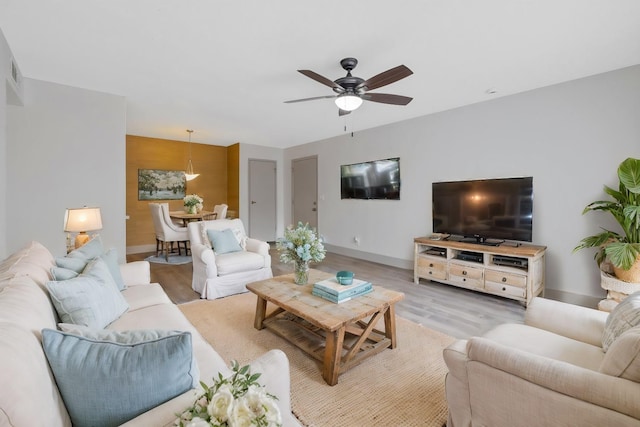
(623, 357)
(623, 317)
(547, 344)
(235, 262)
(223, 241)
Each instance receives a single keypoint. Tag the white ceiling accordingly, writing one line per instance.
(224, 68)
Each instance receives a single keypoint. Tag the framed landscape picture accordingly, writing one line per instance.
(155, 184)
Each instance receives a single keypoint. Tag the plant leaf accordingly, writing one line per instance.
(629, 174)
(623, 255)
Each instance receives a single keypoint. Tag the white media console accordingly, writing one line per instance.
(510, 270)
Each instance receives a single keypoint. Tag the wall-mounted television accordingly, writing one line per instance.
(478, 210)
(377, 179)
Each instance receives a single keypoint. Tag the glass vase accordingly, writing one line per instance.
(301, 276)
(192, 209)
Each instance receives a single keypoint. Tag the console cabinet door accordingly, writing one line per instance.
(466, 276)
(430, 268)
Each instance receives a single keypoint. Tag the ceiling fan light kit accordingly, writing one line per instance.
(348, 102)
(352, 91)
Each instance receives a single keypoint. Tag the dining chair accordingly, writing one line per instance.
(220, 211)
(166, 231)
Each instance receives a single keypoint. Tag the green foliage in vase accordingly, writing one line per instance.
(300, 244)
(621, 249)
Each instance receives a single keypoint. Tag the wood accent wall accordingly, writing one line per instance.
(233, 178)
(210, 161)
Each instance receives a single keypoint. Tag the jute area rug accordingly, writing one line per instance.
(399, 387)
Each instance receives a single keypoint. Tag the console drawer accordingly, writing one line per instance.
(502, 278)
(429, 268)
(503, 289)
(466, 276)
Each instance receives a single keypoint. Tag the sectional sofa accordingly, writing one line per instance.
(50, 385)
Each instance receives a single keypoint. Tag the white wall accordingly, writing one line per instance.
(257, 152)
(67, 149)
(570, 137)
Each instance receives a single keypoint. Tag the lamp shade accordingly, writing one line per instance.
(82, 220)
(348, 102)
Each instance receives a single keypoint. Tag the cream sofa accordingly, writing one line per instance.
(551, 371)
(217, 275)
(28, 392)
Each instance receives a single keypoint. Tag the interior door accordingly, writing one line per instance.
(262, 200)
(305, 190)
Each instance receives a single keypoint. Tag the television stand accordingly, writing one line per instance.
(515, 272)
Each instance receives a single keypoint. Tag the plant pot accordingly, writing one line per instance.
(631, 275)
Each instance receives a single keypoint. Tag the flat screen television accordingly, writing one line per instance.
(377, 179)
(477, 210)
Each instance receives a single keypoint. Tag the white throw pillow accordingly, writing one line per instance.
(203, 235)
(240, 237)
(623, 317)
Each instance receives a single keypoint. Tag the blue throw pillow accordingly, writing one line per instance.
(106, 382)
(223, 241)
(78, 259)
(91, 299)
(60, 273)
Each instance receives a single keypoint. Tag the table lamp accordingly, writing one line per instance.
(81, 220)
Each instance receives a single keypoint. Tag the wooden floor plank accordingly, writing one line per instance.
(454, 311)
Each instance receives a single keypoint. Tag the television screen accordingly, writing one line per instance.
(484, 209)
(378, 179)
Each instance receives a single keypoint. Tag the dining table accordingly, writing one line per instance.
(188, 217)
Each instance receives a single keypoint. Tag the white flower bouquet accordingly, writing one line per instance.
(300, 244)
(237, 401)
(193, 202)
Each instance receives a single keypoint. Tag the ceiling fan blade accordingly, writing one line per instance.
(342, 112)
(386, 98)
(386, 77)
(309, 99)
(321, 79)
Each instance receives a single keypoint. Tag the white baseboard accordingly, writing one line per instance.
(367, 256)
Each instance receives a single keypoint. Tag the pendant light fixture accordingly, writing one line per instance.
(189, 175)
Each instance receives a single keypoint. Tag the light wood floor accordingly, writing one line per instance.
(454, 311)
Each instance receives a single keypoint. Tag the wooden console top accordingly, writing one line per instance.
(523, 250)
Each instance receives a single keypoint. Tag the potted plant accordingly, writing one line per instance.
(622, 250)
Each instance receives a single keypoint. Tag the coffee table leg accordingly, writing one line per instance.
(390, 325)
(332, 356)
(261, 310)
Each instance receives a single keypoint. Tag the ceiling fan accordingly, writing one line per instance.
(352, 91)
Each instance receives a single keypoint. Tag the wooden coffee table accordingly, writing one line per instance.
(340, 336)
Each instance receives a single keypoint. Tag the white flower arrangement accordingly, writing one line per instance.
(237, 401)
(193, 200)
(300, 244)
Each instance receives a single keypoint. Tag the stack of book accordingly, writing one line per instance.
(333, 291)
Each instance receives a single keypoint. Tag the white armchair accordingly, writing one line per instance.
(216, 275)
(166, 231)
(553, 370)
